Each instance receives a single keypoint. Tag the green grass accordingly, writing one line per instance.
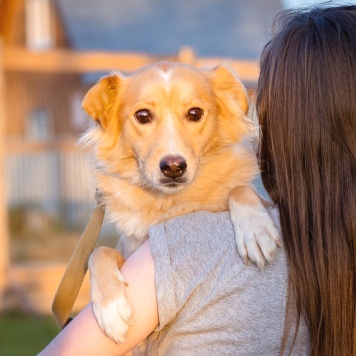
(25, 335)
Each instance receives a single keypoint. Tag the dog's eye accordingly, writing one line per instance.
(143, 116)
(195, 114)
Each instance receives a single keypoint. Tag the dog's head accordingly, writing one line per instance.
(155, 125)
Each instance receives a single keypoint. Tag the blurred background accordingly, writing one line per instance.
(51, 52)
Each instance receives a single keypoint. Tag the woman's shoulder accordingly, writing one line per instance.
(192, 240)
(199, 236)
(200, 249)
(200, 276)
(200, 228)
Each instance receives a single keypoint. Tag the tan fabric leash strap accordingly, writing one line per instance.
(73, 276)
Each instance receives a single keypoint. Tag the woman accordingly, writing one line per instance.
(306, 103)
(188, 287)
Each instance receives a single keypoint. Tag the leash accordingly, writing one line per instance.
(74, 274)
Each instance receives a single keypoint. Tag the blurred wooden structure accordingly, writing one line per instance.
(19, 59)
(27, 80)
(4, 233)
(34, 285)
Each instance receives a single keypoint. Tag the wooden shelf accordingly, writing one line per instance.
(18, 59)
(64, 61)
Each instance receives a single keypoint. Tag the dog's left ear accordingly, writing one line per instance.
(229, 89)
(232, 101)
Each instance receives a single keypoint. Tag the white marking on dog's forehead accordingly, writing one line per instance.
(166, 75)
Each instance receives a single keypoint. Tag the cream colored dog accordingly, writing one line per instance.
(169, 141)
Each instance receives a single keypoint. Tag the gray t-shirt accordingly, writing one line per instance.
(209, 302)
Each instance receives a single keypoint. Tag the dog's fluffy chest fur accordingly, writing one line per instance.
(135, 208)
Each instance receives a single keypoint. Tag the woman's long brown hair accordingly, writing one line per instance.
(306, 104)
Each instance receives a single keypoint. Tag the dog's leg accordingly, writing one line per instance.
(256, 235)
(110, 307)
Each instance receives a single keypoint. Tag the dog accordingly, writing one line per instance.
(170, 140)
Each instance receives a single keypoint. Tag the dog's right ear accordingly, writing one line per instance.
(99, 100)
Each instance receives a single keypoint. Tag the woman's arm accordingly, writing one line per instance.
(83, 335)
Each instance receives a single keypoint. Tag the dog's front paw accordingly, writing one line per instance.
(257, 237)
(110, 307)
(113, 315)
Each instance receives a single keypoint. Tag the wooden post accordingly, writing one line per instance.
(4, 235)
(187, 55)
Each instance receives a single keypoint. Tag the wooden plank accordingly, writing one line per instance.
(11, 21)
(66, 61)
(4, 234)
(36, 147)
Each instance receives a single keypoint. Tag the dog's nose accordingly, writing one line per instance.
(173, 167)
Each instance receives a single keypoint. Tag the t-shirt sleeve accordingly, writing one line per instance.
(164, 280)
(188, 254)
